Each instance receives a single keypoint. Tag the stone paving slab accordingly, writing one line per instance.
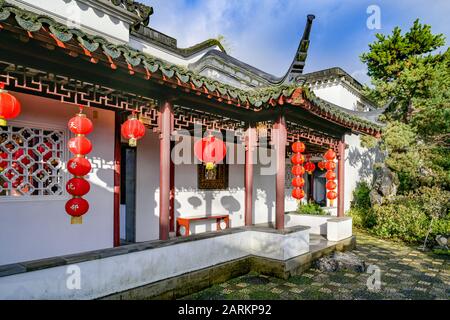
(406, 273)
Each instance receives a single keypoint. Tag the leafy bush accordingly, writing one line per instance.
(311, 208)
(361, 196)
(361, 210)
(408, 217)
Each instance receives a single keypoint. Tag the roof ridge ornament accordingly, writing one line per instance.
(143, 11)
(298, 64)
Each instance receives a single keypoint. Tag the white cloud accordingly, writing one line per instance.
(265, 33)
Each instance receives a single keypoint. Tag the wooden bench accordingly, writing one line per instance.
(184, 223)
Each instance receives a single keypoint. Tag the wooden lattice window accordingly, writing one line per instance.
(31, 161)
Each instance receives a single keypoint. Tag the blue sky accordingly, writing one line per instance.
(266, 33)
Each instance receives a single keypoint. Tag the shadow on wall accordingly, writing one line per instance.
(230, 204)
(269, 203)
(101, 173)
(365, 159)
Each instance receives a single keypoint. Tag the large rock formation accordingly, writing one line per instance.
(341, 261)
(384, 187)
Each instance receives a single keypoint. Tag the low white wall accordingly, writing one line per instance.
(107, 276)
(339, 229)
(318, 224)
(35, 227)
(335, 229)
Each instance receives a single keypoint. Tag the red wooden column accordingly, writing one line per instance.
(250, 145)
(117, 159)
(341, 179)
(279, 136)
(165, 129)
(172, 194)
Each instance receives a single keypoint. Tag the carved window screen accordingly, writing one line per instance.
(31, 161)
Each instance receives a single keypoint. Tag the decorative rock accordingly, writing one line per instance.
(384, 185)
(341, 261)
(442, 241)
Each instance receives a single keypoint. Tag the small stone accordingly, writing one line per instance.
(227, 291)
(242, 285)
(325, 290)
(276, 291)
(289, 284)
(296, 290)
(334, 284)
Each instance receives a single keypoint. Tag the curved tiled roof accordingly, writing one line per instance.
(258, 98)
(142, 10)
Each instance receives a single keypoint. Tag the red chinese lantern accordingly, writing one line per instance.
(330, 175)
(331, 185)
(298, 147)
(298, 182)
(80, 145)
(331, 195)
(76, 208)
(330, 165)
(321, 165)
(9, 106)
(298, 170)
(310, 167)
(330, 155)
(133, 130)
(78, 187)
(80, 124)
(79, 166)
(298, 193)
(210, 150)
(298, 159)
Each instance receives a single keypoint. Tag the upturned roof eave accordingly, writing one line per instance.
(259, 98)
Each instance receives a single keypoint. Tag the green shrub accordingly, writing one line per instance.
(361, 198)
(361, 210)
(408, 217)
(311, 208)
(362, 218)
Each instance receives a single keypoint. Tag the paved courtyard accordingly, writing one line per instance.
(406, 273)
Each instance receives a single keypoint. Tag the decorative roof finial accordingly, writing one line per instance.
(298, 64)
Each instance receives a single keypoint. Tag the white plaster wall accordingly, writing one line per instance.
(189, 201)
(147, 188)
(166, 55)
(359, 164)
(107, 276)
(34, 229)
(77, 13)
(338, 93)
